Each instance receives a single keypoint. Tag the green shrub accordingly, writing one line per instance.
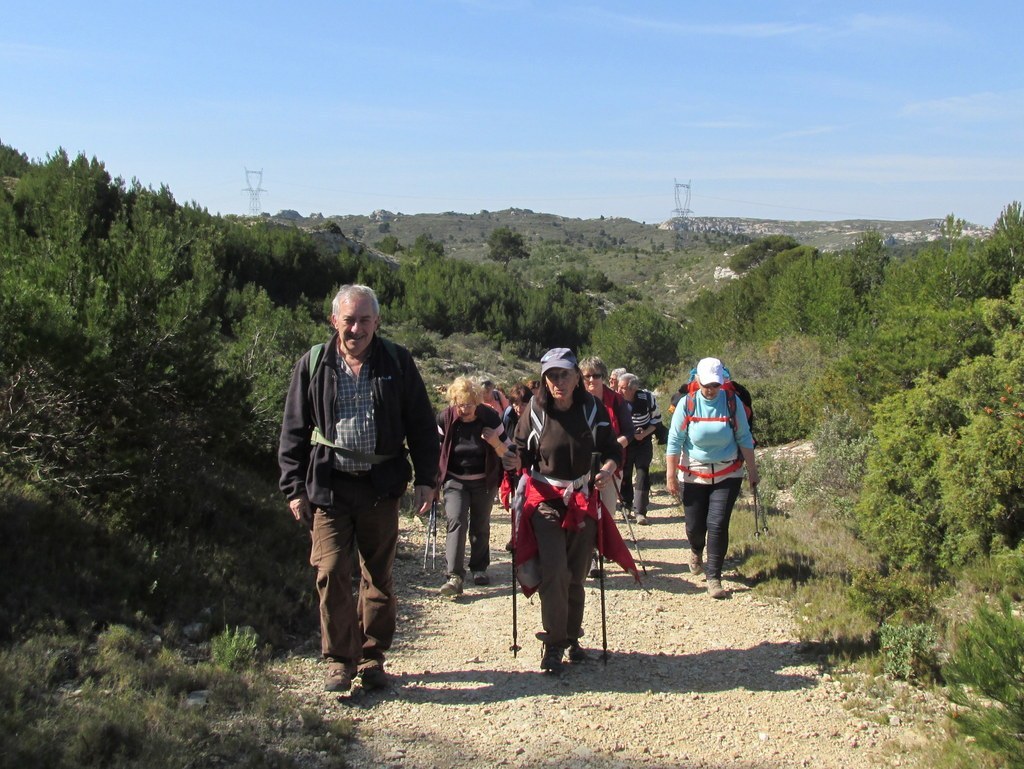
(120, 641)
(127, 709)
(943, 486)
(638, 338)
(421, 343)
(827, 615)
(1002, 571)
(986, 680)
(235, 648)
(778, 472)
(768, 496)
(782, 378)
(899, 597)
(908, 651)
(833, 477)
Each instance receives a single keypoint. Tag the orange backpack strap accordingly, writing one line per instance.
(690, 406)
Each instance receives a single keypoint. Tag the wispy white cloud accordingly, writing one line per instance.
(903, 26)
(722, 125)
(857, 25)
(984, 106)
(802, 133)
(494, 6)
(749, 30)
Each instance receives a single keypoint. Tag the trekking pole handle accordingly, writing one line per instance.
(599, 474)
(510, 462)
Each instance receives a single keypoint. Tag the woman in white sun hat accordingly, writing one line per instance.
(709, 444)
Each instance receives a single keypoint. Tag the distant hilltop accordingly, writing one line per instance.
(461, 231)
(825, 235)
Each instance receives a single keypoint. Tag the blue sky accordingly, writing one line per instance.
(775, 110)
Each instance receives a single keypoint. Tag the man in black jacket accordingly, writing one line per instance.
(352, 408)
(640, 451)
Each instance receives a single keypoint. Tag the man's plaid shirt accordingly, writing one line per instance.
(353, 415)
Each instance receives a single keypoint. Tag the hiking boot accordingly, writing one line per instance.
(372, 675)
(481, 578)
(338, 678)
(630, 514)
(451, 588)
(551, 661)
(715, 589)
(577, 653)
(641, 519)
(696, 563)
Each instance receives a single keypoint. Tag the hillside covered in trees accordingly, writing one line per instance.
(147, 345)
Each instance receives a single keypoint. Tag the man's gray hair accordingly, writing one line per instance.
(632, 381)
(354, 291)
(617, 372)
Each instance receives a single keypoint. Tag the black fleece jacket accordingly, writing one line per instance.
(402, 412)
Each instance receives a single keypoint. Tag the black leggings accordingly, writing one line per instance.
(708, 510)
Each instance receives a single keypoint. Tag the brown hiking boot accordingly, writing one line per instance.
(715, 589)
(551, 659)
(372, 675)
(577, 653)
(696, 564)
(338, 678)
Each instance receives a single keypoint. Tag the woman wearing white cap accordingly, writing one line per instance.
(709, 442)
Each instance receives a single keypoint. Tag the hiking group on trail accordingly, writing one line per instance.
(563, 453)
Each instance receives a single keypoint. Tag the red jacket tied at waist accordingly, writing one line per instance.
(580, 504)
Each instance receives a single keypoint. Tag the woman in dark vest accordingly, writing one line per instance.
(472, 441)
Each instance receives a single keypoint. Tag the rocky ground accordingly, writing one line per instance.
(689, 681)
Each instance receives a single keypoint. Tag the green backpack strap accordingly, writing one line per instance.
(315, 354)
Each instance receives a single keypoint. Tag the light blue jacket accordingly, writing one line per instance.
(709, 441)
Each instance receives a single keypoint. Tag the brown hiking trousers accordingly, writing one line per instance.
(355, 630)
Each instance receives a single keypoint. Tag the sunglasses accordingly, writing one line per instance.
(712, 385)
(593, 376)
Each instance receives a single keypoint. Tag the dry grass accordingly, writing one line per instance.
(128, 701)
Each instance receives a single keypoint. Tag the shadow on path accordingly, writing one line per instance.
(756, 669)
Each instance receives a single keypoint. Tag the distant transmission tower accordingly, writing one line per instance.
(255, 207)
(682, 209)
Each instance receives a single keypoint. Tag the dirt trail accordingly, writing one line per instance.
(690, 681)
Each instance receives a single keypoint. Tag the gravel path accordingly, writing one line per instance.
(690, 681)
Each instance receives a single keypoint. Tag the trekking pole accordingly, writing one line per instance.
(595, 459)
(426, 539)
(629, 527)
(430, 546)
(513, 541)
(760, 515)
